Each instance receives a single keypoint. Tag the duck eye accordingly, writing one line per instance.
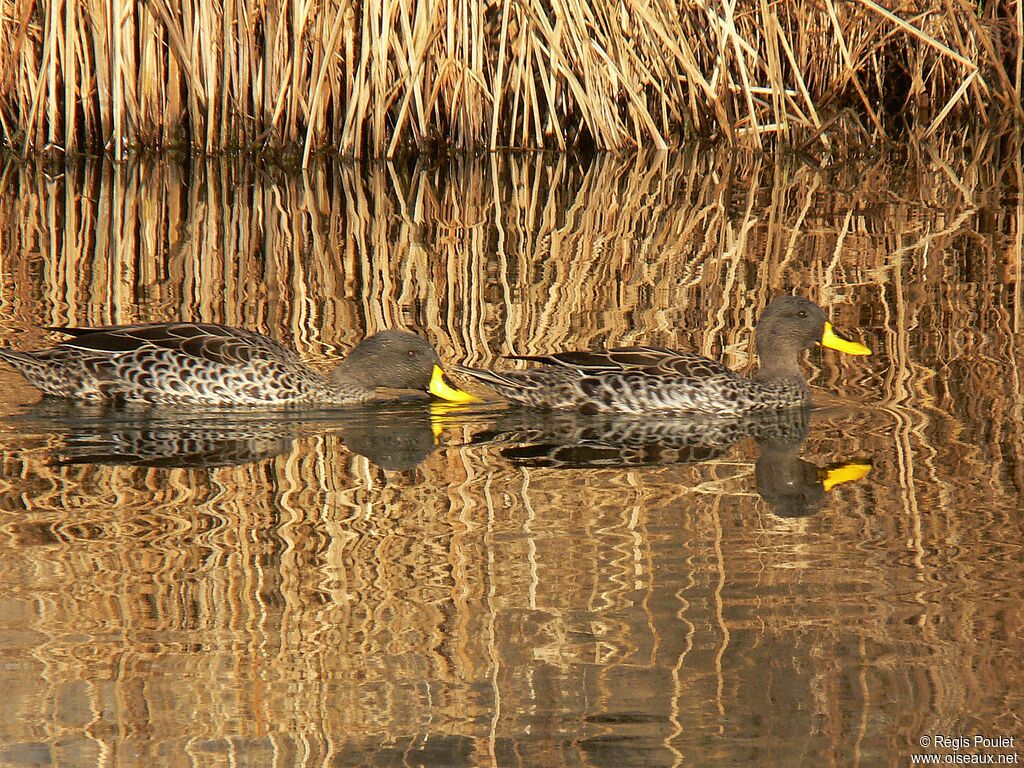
(802, 313)
(411, 353)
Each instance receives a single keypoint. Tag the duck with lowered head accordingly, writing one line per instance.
(218, 365)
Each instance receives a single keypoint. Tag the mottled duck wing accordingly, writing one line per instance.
(651, 361)
(582, 361)
(673, 364)
(203, 342)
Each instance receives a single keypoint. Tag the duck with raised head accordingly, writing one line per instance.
(654, 379)
(217, 365)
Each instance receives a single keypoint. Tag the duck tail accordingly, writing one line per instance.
(17, 359)
(25, 363)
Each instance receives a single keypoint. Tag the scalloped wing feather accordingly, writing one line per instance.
(651, 361)
(206, 342)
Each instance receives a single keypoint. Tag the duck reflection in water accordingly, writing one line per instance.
(396, 437)
(793, 487)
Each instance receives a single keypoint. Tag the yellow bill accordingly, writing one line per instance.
(442, 389)
(846, 473)
(833, 340)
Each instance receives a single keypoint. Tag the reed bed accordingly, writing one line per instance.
(387, 77)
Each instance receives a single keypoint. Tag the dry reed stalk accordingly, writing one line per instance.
(386, 76)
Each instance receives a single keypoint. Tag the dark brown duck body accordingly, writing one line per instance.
(655, 379)
(217, 365)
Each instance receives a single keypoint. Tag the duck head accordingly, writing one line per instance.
(399, 360)
(788, 326)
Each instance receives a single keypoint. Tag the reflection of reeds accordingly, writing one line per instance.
(379, 77)
(679, 250)
(317, 593)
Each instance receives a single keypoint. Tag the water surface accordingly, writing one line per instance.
(414, 585)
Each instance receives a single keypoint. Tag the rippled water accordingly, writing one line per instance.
(425, 585)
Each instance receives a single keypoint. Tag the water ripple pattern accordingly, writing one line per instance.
(410, 585)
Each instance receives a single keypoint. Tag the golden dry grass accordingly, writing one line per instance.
(384, 77)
